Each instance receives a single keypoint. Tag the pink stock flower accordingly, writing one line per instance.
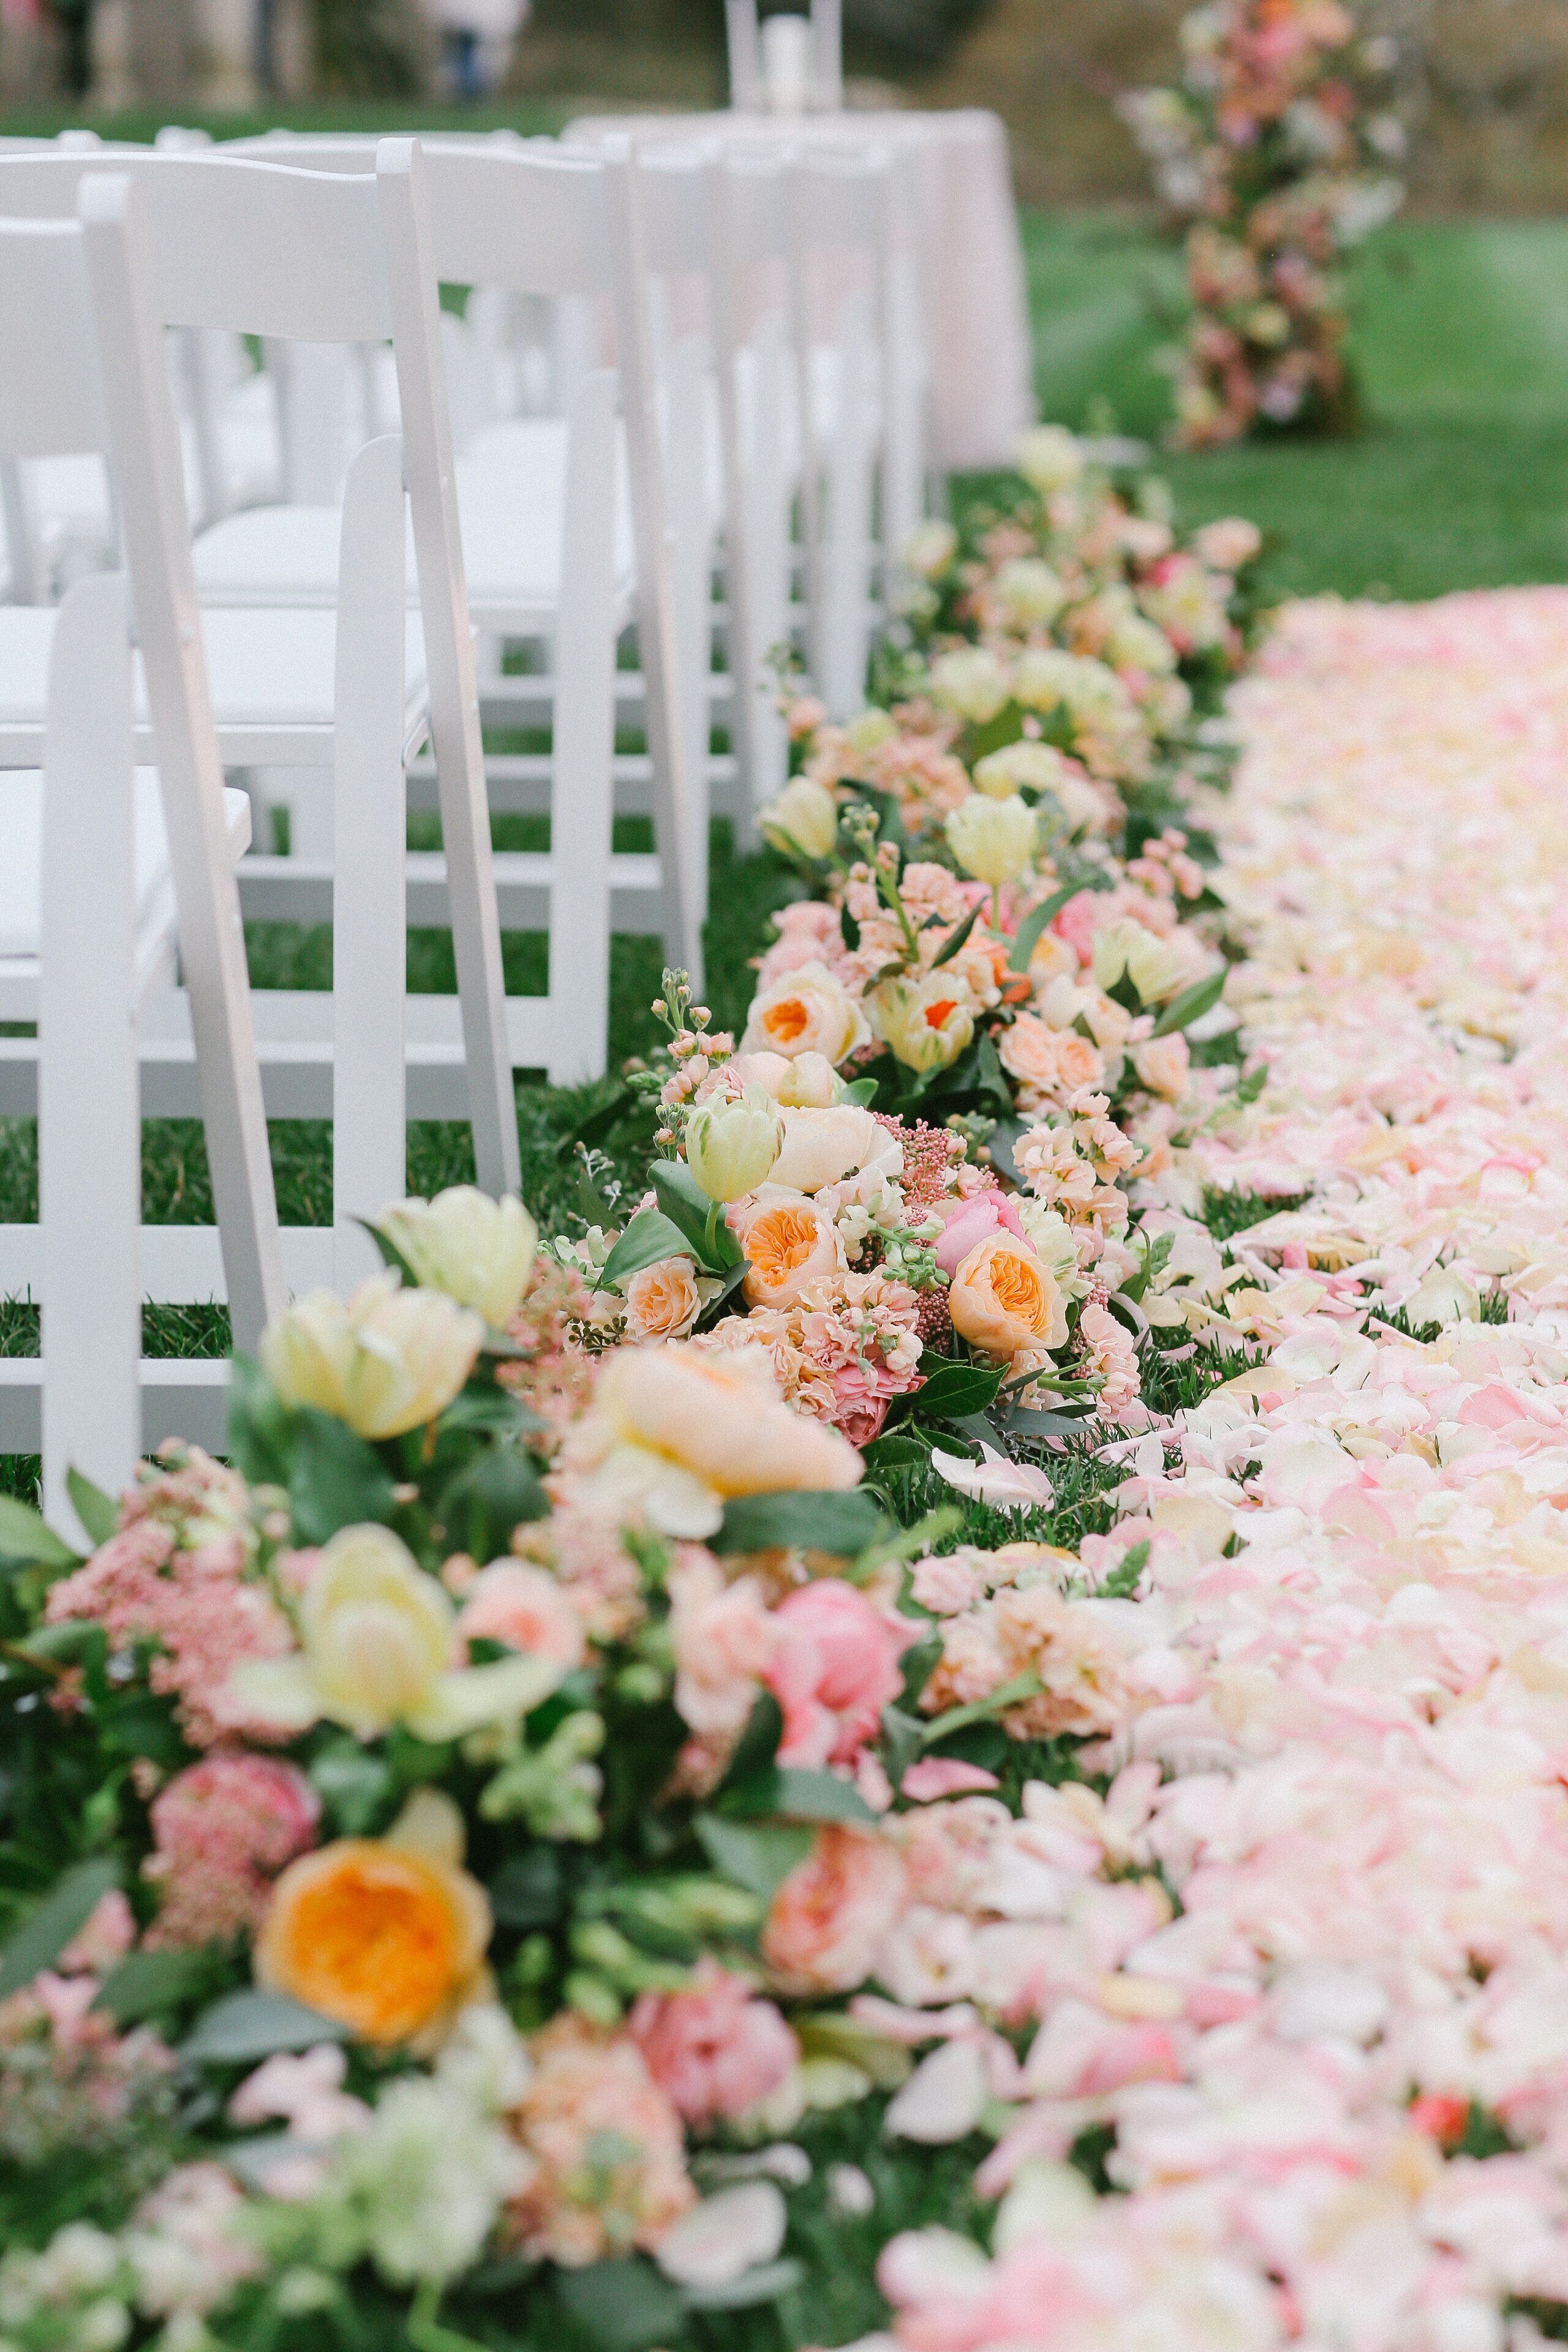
(199, 1609)
(835, 1669)
(715, 2051)
(222, 1830)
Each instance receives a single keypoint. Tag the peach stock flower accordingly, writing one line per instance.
(609, 2159)
(386, 1935)
(1162, 1064)
(1003, 1298)
(790, 1243)
(826, 1922)
(513, 1602)
(662, 1301)
(1054, 1062)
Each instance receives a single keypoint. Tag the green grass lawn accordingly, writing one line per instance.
(1460, 479)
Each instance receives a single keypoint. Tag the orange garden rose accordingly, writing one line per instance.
(386, 1935)
(789, 1242)
(1004, 1297)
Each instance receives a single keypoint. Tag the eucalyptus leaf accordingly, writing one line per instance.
(28, 1538)
(863, 1091)
(1039, 918)
(246, 2026)
(757, 1856)
(99, 1512)
(840, 1523)
(1192, 1003)
(150, 1984)
(48, 1929)
(790, 1794)
(336, 1479)
(258, 1439)
(649, 1237)
(623, 2305)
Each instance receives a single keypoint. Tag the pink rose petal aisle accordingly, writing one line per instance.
(1300, 1978)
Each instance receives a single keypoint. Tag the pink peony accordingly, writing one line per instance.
(967, 1224)
(223, 1829)
(833, 1671)
(827, 1922)
(715, 2051)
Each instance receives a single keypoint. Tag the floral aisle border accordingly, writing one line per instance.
(547, 1743)
(1273, 154)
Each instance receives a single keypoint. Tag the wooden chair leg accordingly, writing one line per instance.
(582, 789)
(369, 843)
(89, 1128)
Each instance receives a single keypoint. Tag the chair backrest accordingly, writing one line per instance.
(82, 369)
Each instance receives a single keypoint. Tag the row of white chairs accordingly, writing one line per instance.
(322, 635)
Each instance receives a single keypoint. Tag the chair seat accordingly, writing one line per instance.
(272, 674)
(21, 864)
(511, 499)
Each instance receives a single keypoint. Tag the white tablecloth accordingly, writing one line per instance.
(976, 295)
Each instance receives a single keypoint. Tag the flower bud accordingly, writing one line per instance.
(811, 1083)
(730, 1147)
(478, 1251)
(993, 840)
(803, 817)
(971, 683)
(1028, 591)
(1125, 950)
(1049, 458)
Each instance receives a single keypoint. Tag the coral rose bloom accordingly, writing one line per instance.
(662, 1300)
(1003, 1298)
(383, 1938)
(827, 1922)
(790, 1243)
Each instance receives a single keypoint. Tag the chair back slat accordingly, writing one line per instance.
(258, 248)
(50, 401)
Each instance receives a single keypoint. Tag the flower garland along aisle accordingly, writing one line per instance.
(471, 1864)
(1273, 152)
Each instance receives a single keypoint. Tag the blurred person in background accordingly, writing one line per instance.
(477, 39)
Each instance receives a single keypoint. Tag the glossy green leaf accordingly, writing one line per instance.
(1192, 1003)
(335, 1479)
(48, 1929)
(246, 2026)
(649, 1237)
(757, 1856)
(838, 1523)
(99, 1512)
(28, 1538)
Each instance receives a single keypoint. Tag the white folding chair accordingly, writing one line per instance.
(107, 871)
(521, 220)
(303, 258)
(841, 308)
(748, 223)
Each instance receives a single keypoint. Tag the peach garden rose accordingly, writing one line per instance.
(1004, 1298)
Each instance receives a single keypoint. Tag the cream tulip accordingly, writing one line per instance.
(730, 1147)
(478, 1251)
(993, 840)
(377, 1638)
(387, 1360)
(1050, 459)
(808, 1083)
(1003, 773)
(971, 683)
(803, 817)
(1127, 949)
(1028, 591)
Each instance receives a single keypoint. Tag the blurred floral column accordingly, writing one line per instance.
(1274, 154)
